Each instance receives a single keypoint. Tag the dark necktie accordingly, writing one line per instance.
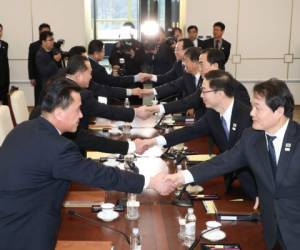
(272, 155)
(217, 44)
(225, 127)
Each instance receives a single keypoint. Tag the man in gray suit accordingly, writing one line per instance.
(271, 149)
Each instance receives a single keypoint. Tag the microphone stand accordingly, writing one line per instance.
(94, 222)
(197, 240)
(157, 125)
(181, 201)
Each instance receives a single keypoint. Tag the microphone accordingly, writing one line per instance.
(168, 97)
(94, 222)
(157, 125)
(183, 199)
(197, 240)
(238, 217)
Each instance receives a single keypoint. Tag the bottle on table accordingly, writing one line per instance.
(190, 227)
(135, 239)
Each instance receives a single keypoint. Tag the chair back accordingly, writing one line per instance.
(18, 106)
(6, 124)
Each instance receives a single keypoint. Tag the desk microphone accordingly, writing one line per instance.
(94, 222)
(183, 199)
(157, 125)
(197, 240)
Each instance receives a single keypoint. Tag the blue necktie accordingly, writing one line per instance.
(272, 155)
(225, 127)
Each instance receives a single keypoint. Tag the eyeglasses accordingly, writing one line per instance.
(207, 91)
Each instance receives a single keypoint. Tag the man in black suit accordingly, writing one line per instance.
(225, 120)
(4, 69)
(37, 165)
(32, 71)
(218, 42)
(46, 63)
(209, 59)
(272, 151)
(185, 85)
(192, 31)
(176, 71)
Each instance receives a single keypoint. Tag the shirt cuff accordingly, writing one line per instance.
(154, 78)
(188, 177)
(136, 78)
(154, 91)
(128, 92)
(161, 109)
(147, 181)
(131, 147)
(160, 140)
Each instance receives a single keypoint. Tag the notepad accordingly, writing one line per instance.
(84, 198)
(202, 157)
(95, 155)
(177, 127)
(220, 246)
(79, 245)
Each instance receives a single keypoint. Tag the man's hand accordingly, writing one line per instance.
(33, 82)
(161, 184)
(143, 145)
(137, 92)
(177, 179)
(190, 113)
(142, 77)
(115, 70)
(142, 112)
(147, 92)
(153, 108)
(256, 204)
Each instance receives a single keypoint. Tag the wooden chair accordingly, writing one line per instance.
(6, 124)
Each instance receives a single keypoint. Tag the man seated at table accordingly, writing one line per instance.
(271, 149)
(225, 120)
(37, 165)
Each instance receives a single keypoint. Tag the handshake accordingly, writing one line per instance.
(165, 183)
(145, 112)
(141, 145)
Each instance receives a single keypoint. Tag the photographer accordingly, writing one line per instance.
(47, 62)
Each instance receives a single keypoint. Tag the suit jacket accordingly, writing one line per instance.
(164, 59)
(195, 102)
(175, 72)
(33, 49)
(279, 196)
(184, 86)
(107, 91)
(4, 71)
(226, 46)
(200, 43)
(37, 165)
(99, 75)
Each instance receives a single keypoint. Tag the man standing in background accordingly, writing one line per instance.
(32, 70)
(4, 69)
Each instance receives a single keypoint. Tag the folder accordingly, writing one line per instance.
(84, 198)
(199, 157)
(79, 245)
(95, 155)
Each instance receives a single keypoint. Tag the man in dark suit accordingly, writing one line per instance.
(176, 71)
(218, 42)
(225, 120)
(271, 149)
(46, 63)
(192, 31)
(37, 165)
(4, 69)
(209, 59)
(32, 71)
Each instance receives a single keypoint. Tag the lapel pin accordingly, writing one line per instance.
(288, 147)
(234, 125)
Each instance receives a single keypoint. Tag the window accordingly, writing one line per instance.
(110, 15)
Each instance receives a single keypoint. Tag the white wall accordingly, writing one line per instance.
(21, 20)
(261, 32)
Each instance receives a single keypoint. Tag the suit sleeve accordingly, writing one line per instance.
(89, 141)
(31, 63)
(198, 129)
(107, 91)
(227, 51)
(241, 94)
(45, 65)
(70, 165)
(169, 89)
(93, 108)
(167, 77)
(226, 162)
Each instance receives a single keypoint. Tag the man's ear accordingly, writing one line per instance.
(279, 111)
(59, 114)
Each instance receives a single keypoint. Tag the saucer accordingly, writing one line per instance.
(214, 235)
(111, 163)
(114, 215)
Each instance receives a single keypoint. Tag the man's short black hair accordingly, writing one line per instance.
(193, 53)
(277, 94)
(44, 35)
(221, 80)
(176, 28)
(214, 56)
(129, 24)
(220, 24)
(43, 26)
(192, 27)
(76, 50)
(58, 94)
(187, 43)
(95, 46)
(1, 26)
(76, 64)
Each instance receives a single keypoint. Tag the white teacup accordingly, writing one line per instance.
(107, 209)
(213, 224)
(111, 163)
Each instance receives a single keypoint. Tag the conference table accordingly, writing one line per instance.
(158, 221)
